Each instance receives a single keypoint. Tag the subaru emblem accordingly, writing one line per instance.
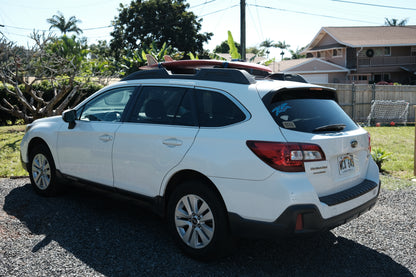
(354, 143)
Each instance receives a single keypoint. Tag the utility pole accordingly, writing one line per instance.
(243, 28)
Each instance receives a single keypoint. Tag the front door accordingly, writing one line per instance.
(85, 151)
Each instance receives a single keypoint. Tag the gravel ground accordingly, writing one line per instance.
(82, 233)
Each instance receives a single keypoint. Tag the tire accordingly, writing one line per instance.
(200, 230)
(42, 171)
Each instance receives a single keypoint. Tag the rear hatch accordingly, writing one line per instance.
(313, 116)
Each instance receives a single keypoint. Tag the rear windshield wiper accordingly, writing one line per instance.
(332, 127)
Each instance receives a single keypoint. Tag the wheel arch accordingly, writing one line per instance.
(220, 238)
(37, 141)
(189, 175)
(46, 182)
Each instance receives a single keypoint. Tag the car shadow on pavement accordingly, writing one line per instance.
(115, 237)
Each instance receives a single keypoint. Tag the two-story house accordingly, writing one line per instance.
(358, 54)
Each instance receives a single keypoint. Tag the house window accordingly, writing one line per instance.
(387, 51)
(413, 51)
(382, 77)
(318, 54)
(337, 53)
(355, 77)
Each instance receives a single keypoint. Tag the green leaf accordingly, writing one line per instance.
(233, 49)
(144, 55)
(193, 57)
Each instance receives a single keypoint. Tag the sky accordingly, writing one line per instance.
(294, 21)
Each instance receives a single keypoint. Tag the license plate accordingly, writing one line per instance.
(346, 163)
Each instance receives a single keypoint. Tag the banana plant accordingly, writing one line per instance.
(192, 56)
(134, 59)
(233, 49)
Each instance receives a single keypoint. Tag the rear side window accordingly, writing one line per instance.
(216, 109)
(306, 112)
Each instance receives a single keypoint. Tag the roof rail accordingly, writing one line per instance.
(205, 74)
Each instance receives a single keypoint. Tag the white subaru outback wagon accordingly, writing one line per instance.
(218, 153)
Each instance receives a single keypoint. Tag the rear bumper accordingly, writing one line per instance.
(285, 225)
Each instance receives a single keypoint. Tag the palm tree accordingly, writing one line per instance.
(266, 45)
(270, 43)
(59, 22)
(395, 22)
(296, 54)
(282, 45)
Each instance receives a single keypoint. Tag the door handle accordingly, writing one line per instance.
(172, 142)
(106, 138)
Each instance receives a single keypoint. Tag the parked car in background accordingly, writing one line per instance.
(287, 77)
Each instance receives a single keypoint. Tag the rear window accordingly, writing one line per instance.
(308, 112)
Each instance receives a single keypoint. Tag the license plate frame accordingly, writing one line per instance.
(346, 164)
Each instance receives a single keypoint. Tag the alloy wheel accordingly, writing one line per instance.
(194, 221)
(41, 171)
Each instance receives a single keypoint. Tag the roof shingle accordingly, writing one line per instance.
(373, 36)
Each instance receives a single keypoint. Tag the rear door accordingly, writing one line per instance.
(311, 116)
(155, 138)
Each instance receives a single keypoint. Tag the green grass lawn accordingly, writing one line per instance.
(398, 170)
(399, 142)
(10, 137)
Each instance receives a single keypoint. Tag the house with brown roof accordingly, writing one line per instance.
(359, 55)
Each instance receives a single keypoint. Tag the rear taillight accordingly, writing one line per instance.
(286, 156)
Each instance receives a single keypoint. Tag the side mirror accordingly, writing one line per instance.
(70, 116)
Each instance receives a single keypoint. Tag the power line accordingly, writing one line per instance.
(313, 14)
(257, 26)
(374, 5)
(236, 5)
(59, 5)
(14, 34)
(96, 28)
(260, 26)
(20, 28)
(30, 29)
(202, 4)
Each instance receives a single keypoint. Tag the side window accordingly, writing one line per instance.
(216, 109)
(164, 105)
(109, 106)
